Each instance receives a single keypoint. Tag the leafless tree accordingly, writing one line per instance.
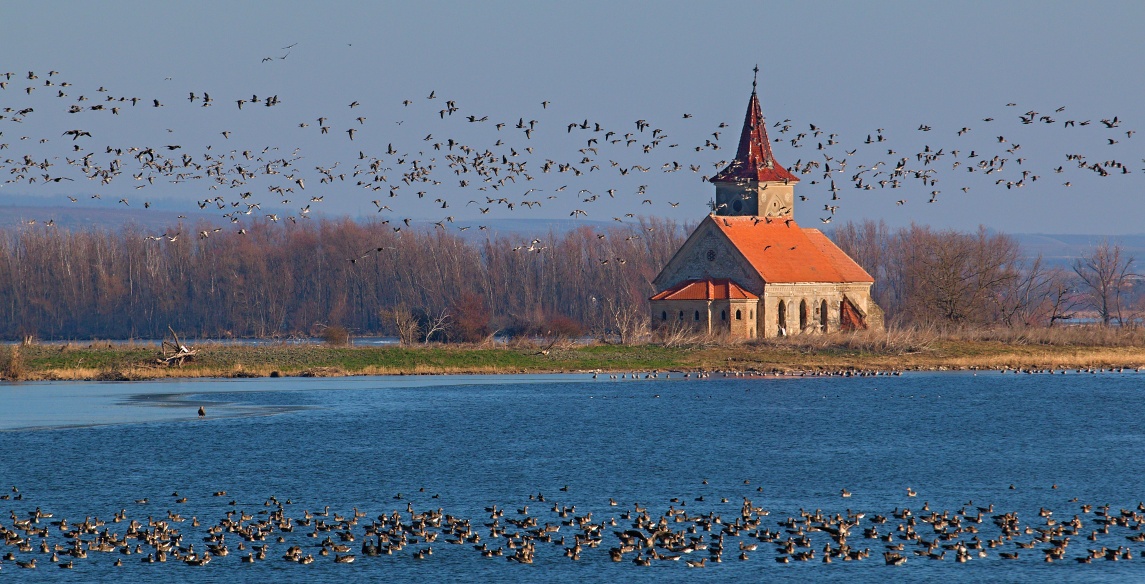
(869, 244)
(950, 277)
(404, 323)
(436, 324)
(1104, 273)
(1063, 300)
(1037, 296)
(629, 321)
(276, 280)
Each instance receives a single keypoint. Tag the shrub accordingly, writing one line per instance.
(401, 322)
(11, 363)
(560, 327)
(471, 321)
(336, 336)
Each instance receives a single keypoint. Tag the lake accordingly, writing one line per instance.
(462, 444)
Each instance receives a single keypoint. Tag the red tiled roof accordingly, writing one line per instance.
(782, 251)
(710, 289)
(848, 269)
(754, 160)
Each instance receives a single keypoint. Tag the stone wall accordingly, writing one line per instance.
(755, 199)
(821, 301)
(744, 326)
(736, 198)
(776, 199)
(708, 254)
(761, 318)
(684, 312)
(716, 317)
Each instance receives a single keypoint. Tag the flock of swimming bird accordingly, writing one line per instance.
(469, 173)
(274, 530)
(635, 375)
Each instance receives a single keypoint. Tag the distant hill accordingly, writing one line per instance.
(1062, 249)
(18, 210)
(1056, 249)
(524, 228)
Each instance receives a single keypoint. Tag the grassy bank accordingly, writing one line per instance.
(884, 351)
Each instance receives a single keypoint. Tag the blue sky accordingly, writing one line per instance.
(849, 68)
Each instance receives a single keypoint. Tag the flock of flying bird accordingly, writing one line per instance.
(475, 175)
(701, 531)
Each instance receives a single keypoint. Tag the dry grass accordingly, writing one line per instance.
(932, 349)
(1077, 336)
(11, 364)
(892, 342)
(899, 349)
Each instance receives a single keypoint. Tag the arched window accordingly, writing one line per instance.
(723, 315)
(802, 315)
(681, 315)
(750, 314)
(664, 315)
(782, 318)
(738, 315)
(697, 315)
(823, 315)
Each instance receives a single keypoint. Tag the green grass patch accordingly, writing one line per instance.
(100, 361)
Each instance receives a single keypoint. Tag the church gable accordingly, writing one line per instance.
(708, 254)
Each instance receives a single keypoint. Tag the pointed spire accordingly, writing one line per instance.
(754, 159)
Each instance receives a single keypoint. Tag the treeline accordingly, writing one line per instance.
(279, 280)
(928, 277)
(333, 276)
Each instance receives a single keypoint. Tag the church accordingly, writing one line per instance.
(749, 270)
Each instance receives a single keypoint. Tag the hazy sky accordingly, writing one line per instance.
(849, 68)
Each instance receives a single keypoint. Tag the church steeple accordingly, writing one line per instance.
(754, 159)
(741, 184)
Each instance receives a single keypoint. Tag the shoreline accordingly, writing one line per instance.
(125, 363)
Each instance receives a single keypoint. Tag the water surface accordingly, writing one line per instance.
(463, 443)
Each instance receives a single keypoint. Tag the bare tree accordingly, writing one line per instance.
(436, 324)
(1039, 295)
(947, 276)
(869, 244)
(1104, 273)
(629, 321)
(1063, 298)
(404, 323)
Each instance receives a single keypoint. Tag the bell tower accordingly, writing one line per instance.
(754, 183)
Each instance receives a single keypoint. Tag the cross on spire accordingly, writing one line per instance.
(754, 77)
(754, 159)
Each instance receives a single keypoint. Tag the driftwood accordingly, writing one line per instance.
(174, 352)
